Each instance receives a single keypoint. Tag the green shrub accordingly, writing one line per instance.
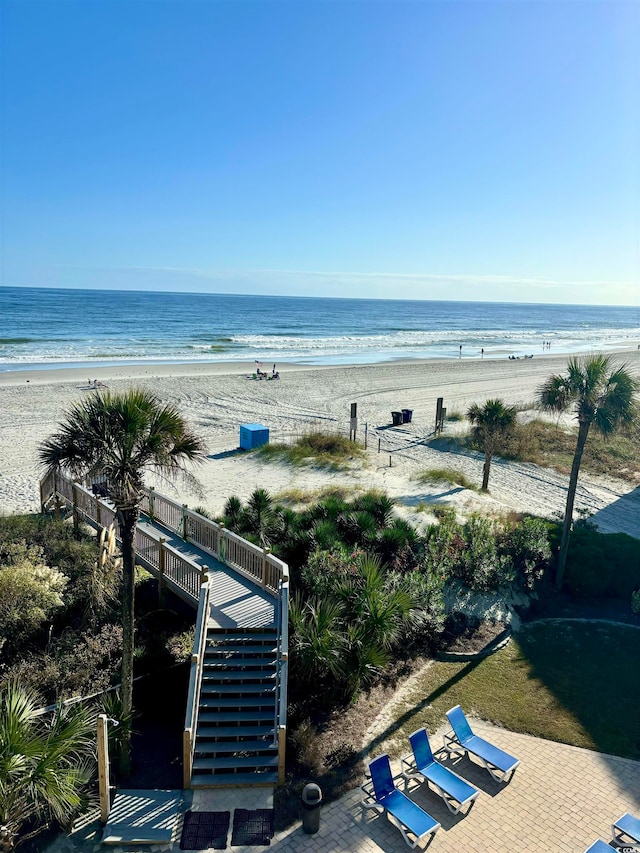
(482, 568)
(635, 601)
(426, 620)
(30, 592)
(76, 664)
(528, 548)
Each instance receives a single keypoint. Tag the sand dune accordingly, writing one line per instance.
(216, 399)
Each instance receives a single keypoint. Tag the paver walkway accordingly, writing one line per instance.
(560, 800)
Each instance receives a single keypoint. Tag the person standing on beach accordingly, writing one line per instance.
(460, 356)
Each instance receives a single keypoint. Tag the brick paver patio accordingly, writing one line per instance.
(560, 800)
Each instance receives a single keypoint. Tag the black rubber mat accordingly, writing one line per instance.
(202, 830)
(252, 828)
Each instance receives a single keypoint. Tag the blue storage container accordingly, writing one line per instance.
(253, 435)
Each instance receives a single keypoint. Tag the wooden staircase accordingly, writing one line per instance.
(236, 739)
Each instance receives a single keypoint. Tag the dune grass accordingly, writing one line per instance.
(449, 476)
(549, 445)
(326, 450)
(552, 681)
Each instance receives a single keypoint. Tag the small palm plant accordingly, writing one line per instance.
(45, 766)
(602, 396)
(490, 424)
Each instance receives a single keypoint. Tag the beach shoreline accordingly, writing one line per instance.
(217, 397)
(54, 374)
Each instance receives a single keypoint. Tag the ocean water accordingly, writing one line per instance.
(42, 328)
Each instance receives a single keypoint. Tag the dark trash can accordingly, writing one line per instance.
(311, 801)
(407, 414)
(396, 417)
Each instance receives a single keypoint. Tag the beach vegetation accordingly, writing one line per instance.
(491, 423)
(30, 592)
(450, 476)
(323, 449)
(122, 436)
(601, 396)
(46, 764)
(553, 445)
(455, 417)
(345, 624)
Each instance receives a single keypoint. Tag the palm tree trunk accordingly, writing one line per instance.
(486, 470)
(583, 432)
(128, 520)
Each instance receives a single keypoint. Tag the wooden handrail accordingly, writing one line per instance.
(195, 680)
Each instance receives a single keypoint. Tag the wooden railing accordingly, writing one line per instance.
(282, 671)
(195, 681)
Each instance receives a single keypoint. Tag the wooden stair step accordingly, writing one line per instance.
(208, 702)
(232, 780)
(235, 746)
(241, 675)
(234, 716)
(240, 649)
(216, 663)
(239, 688)
(232, 762)
(206, 732)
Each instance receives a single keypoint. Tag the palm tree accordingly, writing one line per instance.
(122, 436)
(491, 422)
(45, 766)
(602, 396)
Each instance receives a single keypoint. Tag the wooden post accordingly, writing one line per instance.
(265, 554)
(161, 581)
(186, 759)
(282, 753)
(366, 433)
(379, 440)
(222, 548)
(98, 518)
(353, 424)
(185, 532)
(103, 768)
(76, 518)
(204, 574)
(389, 460)
(438, 427)
(151, 499)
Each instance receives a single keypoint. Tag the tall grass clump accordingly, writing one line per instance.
(449, 476)
(330, 450)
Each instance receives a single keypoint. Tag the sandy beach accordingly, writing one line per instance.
(217, 398)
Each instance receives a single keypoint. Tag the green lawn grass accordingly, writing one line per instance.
(572, 682)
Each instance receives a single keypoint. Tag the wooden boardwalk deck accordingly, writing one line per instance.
(235, 602)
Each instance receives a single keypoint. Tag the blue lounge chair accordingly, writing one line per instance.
(381, 793)
(454, 791)
(626, 825)
(599, 846)
(500, 764)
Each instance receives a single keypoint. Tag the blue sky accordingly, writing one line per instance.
(460, 150)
